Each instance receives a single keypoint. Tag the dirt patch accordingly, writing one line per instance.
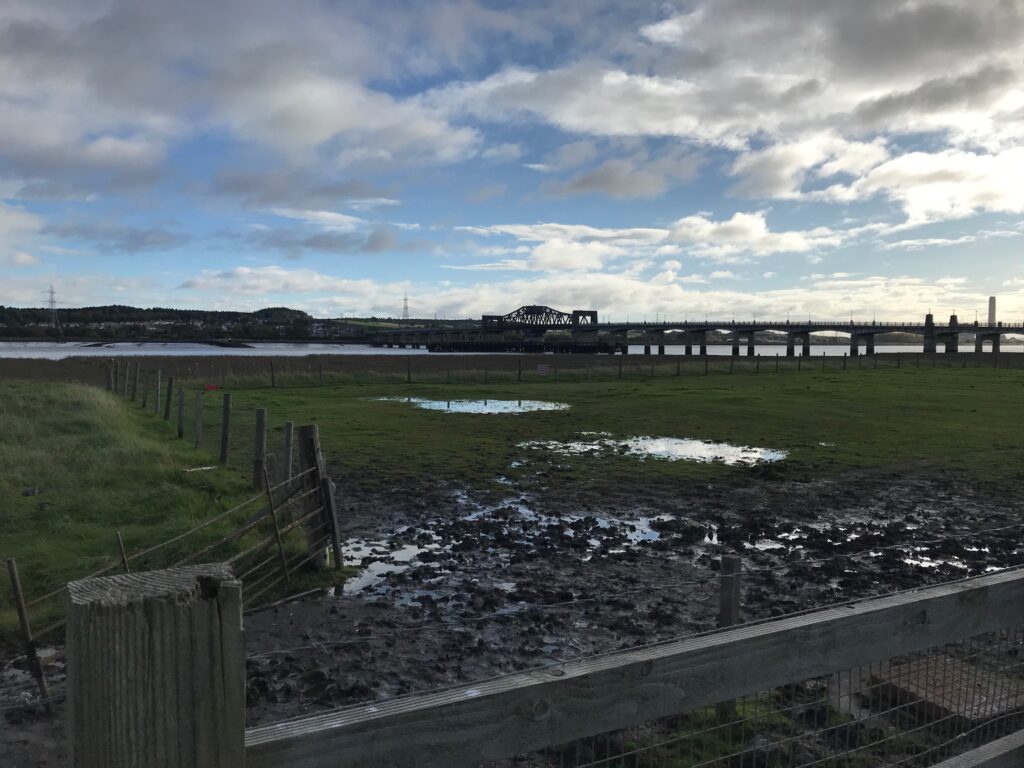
(454, 588)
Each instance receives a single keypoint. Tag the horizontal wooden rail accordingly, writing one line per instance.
(524, 712)
(1007, 752)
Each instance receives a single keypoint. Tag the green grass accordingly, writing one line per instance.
(965, 422)
(93, 465)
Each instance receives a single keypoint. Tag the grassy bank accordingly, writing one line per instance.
(78, 465)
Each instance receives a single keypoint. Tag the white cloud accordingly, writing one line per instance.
(951, 184)
(748, 233)
(329, 220)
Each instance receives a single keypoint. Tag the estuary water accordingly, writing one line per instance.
(52, 350)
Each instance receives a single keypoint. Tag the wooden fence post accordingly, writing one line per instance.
(181, 412)
(156, 394)
(707, 371)
(729, 614)
(116, 381)
(273, 376)
(199, 419)
(135, 386)
(288, 458)
(145, 392)
(156, 669)
(34, 665)
(519, 370)
(259, 451)
(620, 366)
(168, 398)
(107, 370)
(311, 459)
(225, 429)
(127, 376)
(320, 373)
(331, 513)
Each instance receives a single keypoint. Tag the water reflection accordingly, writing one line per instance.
(670, 448)
(479, 406)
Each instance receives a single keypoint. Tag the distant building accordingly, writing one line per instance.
(991, 310)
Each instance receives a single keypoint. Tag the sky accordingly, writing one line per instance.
(730, 158)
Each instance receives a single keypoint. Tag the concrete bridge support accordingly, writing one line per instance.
(738, 337)
(688, 340)
(701, 338)
(952, 336)
(981, 338)
(931, 340)
(855, 342)
(805, 340)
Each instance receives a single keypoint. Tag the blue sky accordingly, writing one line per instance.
(726, 157)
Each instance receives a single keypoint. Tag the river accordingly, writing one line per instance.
(51, 350)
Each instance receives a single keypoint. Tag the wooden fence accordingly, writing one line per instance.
(919, 638)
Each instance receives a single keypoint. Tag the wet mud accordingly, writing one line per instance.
(451, 587)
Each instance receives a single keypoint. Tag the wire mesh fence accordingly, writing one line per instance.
(912, 710)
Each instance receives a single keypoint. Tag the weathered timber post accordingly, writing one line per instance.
(706, 370)
(519, 371)
(799, 362)
(135, 385)
(823, 361)
(288, 457)
(199, 419)
(273, 376)
(259, 452)
(156, 395)
(312, 469)
(145, 392)
(225, 429)
(898, 360)
(729, 613)
(732, 362)
(127, 376)
(331, 513)
(757, 364)
(620, 367)
(320, 373)
(679, 369)
(776, 362)
(181, 412)
(844, 361)
(168, 398)
(156, 669)
(34, 665)
(117, 377)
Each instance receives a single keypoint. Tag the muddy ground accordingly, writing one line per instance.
(455, 587)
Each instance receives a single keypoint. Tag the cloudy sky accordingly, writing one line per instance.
(728, 157)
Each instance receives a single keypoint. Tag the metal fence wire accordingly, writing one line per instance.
(911, 710)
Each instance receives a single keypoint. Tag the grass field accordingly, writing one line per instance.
(80, 463)
(965, 421)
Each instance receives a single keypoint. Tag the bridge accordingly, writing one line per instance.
(543, 329)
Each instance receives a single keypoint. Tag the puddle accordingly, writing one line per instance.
(479, 406)
(669, 448)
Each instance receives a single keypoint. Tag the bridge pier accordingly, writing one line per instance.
(930, 338)
(750, 344)
(688, 340)
(952, 336)
(805, 340)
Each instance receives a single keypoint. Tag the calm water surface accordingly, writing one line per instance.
(51, 350)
